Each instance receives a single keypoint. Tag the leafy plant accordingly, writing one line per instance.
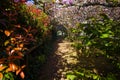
(99, 35)
(22, 29)
(84, 74)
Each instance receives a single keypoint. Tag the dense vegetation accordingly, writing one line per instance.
(99, 37)
(22, 29)
(25, 33)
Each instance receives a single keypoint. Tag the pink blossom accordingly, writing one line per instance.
(67, 2)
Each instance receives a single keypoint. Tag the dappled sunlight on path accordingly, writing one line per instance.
(59, 62)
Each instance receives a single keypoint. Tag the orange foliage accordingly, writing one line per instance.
(1, 76)
(18, 36)
(7, 33)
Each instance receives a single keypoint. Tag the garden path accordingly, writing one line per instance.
(59, 62)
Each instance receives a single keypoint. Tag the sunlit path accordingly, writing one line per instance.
(60, 62)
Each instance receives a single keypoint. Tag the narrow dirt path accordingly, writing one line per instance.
(59, 62)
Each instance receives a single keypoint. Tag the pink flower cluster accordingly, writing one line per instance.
(69, 2)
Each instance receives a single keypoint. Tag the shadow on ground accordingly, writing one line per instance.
(48, 71)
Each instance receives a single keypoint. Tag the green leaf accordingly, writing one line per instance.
(7, 76)
(73, 31)
(80, 73)
(95, 76)
(87, 75)
(88, 43)
(71, 77)
(104, 35)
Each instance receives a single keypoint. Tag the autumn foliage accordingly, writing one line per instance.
(22, 27)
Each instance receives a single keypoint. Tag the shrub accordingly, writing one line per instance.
(98, 36)
(22, 29)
